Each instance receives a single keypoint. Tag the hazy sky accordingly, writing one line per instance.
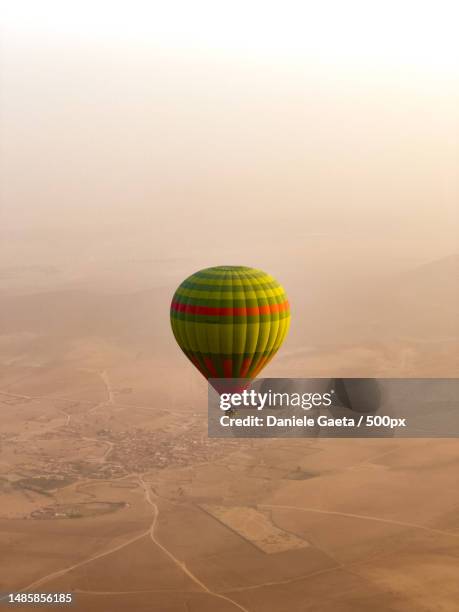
(173, 122)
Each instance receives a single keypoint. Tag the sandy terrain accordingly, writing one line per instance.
(199, 524)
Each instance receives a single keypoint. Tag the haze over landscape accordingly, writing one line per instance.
(129, 161)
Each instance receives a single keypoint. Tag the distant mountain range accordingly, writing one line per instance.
(420, 305)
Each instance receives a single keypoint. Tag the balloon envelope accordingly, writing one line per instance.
(230, 320)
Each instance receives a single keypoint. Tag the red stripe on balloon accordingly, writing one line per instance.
(230, 312)
(228, 368)
(210, 366)
(245, 367)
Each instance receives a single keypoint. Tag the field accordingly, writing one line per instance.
(130, 505)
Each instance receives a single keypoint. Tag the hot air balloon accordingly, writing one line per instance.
(230, 320)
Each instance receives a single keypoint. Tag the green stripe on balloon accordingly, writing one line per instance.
(224, 302)
(239, 320)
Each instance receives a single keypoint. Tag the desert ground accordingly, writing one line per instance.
(111, 489)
